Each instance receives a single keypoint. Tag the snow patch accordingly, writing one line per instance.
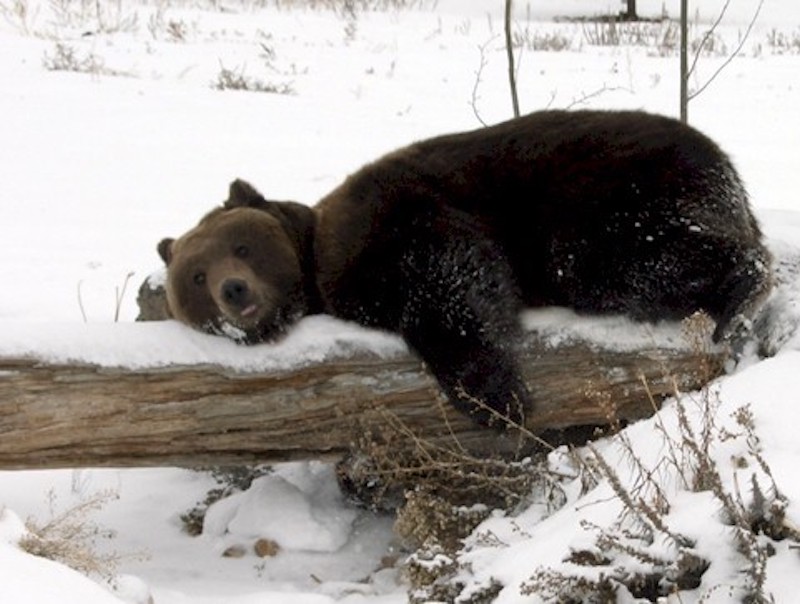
(152, 345)
(299, 507)
(12, 529)
(26, 578)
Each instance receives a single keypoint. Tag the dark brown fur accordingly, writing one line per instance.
(446, 240)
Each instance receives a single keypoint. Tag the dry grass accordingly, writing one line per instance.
(236, 79)
(445, 492)
(442, 492)
(71, 537)
(638, 537)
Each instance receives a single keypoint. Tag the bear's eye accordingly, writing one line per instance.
(241, 251)
(200, 278)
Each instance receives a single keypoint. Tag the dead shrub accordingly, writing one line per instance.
(235, 79)
(637, 539)
(441, 492)
(71, 537)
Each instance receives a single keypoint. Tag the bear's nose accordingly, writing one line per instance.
(235, 292)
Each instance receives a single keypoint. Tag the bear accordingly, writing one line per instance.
(446, 240)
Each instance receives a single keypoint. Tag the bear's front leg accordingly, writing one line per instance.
(480, 378)
(461, 315)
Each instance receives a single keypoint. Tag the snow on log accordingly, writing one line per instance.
(149, 394)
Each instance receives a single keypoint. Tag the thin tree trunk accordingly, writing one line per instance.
(684, 63)
(512, 78)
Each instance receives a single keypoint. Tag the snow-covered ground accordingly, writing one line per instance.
(99, 166)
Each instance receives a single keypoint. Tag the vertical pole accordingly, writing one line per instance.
(684, 92)
(510, 52)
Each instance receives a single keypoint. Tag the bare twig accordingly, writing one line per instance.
(478, 74)
(80, 303)
(732, 56)
(120, 295)
(707, 37)
(587, 96)
(510, 53)
(686, 71)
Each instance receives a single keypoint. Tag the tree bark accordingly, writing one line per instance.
(81, 415)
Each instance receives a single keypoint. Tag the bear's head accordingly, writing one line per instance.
(246, 270)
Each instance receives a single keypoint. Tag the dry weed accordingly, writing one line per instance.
(637, 538)
(71, 537)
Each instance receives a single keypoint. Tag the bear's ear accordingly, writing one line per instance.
(242, 195)
(298, 220)
(165, 250)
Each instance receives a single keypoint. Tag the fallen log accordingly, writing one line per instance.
(72, 414)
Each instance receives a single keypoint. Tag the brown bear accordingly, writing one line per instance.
(446, 240)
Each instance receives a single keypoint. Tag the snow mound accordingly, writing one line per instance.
(27, 578)
(298, 506)
(12, 529)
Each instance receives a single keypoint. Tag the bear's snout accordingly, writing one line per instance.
(238, 297)
(235, 292)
